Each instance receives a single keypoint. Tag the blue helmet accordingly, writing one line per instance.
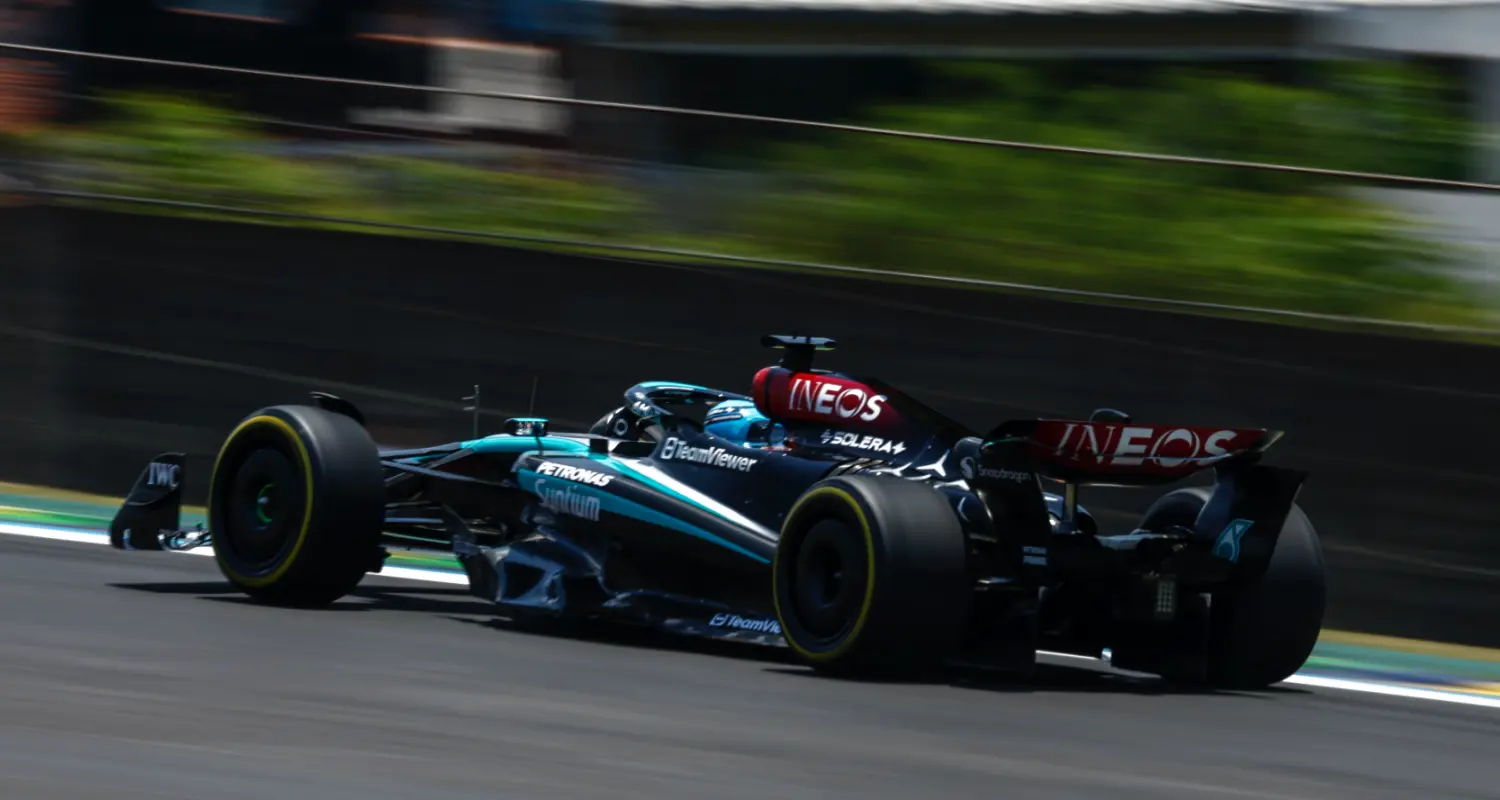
(739, 421)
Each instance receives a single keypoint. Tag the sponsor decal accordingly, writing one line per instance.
(1035, 556)
(1137, 445)
(861, 442)
(163, 475)
(1227, 546)
(575, 474)
(674, 449)
(564, 499)
(971, 470)
(723, 415)
(828, 397)
(740, 623)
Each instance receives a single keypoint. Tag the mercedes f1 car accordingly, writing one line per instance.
(833, 515)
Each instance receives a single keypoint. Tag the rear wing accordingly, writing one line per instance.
(1119, 452)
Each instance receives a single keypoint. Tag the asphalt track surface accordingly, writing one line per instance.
(140, 676)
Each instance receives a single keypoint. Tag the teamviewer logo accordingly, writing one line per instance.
(739, 623)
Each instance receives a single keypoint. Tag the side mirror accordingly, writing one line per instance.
(526, 426)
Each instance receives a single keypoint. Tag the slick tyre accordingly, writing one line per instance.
(295, 506)
(870, 576)
(1263, 630)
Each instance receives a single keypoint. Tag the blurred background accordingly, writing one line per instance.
(1394, 87)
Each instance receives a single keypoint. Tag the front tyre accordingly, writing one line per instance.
(871, 575)
(1262, 630)
(296, 503)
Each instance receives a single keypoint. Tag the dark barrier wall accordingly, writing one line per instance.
(122, 336)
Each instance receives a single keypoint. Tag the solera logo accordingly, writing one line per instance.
(830, 398)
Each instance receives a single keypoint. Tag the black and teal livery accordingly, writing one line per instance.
(831, 514)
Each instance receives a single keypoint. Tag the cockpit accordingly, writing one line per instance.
(740, 422)
(733, 418)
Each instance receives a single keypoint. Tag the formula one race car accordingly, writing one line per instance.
(836, 516)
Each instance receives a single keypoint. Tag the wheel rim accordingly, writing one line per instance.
(263, 504)
(829, 579)
(263, 513)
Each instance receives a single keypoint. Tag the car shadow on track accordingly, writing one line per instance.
(429, 600)
(456, 604)
(1065, 679)
(1049, 675)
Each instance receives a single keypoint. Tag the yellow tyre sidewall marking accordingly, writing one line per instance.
(869, 601)
(306, 464)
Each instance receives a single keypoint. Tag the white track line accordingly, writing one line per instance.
(458, 579)
(94, 537)
(1392, 690)
(55, 534)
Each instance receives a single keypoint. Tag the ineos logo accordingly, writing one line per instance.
(1137, 445)
(1183, 435)
(831, 398)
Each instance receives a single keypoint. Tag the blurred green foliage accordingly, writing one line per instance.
(179, 148)
(1215, 234)
(1241, 237)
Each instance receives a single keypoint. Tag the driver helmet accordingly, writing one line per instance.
(739, 421)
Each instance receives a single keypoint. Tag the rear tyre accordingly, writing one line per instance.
(1263, 630)
(296, 503)
(870, 575)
